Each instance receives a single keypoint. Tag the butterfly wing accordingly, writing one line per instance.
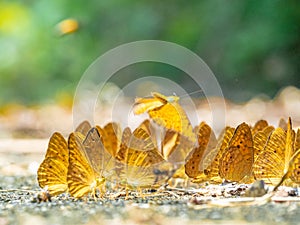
(166, 112)
(237, 160)
(142, 172)
(83, 127)
(81, 177)
(57, 147)
(260, 140)
(139, 157)
(294, 167)
(297, 140)
(143, 105)
(133, 177)
(53, 175)
(169, 143)
(293, 171)
(213, 156)
(53, 170)
(289, 144)
(192, 167)
(259, 126)
(111, 137)
(269, 165)
(282, 123)
(157, 100)
(138, 149)
(101, 160)
(173, 117)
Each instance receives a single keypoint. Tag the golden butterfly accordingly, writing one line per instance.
(236, 161)
(194, 165)
(139, 159)
(277, 158)
(89, 164)
(203, 164)
(166, 112)
(174, 148)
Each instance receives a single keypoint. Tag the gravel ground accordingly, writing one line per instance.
(18, 206)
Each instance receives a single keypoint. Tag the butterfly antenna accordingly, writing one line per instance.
(191, 93)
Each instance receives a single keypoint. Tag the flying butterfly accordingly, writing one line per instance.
(67, 26)
(237, 160)
(166, 112)
(89, 164)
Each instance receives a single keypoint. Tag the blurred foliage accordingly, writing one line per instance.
(251, 46)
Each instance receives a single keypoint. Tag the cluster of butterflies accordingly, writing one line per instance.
(96, 160)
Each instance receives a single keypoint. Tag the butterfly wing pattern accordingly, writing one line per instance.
(87, 162)
(111, 137)
(193, 166)
(269, 165)
(289, 171)
(260, 140)
(237, 159)
(259, 126)
(52, 173)
(138, 157)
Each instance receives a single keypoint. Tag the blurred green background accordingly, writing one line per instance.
(251, 46)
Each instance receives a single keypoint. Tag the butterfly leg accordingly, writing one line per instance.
(102, 191)
(94, 194)
(127, 193)
(140, 193)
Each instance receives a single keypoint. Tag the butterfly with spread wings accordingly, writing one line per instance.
(166, 112)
